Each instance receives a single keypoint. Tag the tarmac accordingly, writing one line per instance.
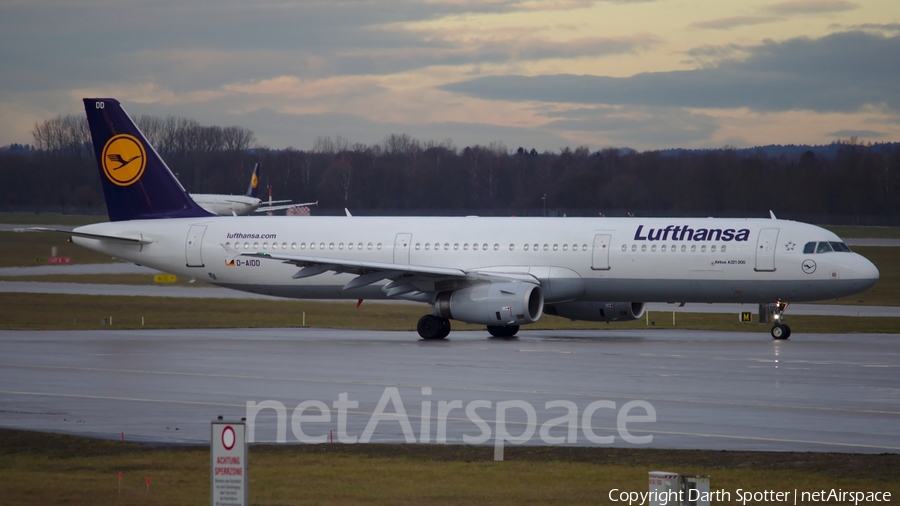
(674, 388)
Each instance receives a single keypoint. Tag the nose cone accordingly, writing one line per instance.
(864, 272)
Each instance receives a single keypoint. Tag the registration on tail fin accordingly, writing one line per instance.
(136, 182)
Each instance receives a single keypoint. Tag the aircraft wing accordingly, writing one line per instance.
(129, 240)
(263, 208)
(404, 278)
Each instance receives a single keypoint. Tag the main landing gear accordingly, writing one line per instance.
(780, 330)
(503, 330)
(433, 327)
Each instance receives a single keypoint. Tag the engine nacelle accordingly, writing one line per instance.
(598, 311)
(513, 303)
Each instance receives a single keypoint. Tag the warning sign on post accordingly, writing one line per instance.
(228, 464)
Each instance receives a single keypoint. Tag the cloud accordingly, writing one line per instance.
(659, 126)
(866, 134)
(733, 22)
(837, 73)
(812, 6)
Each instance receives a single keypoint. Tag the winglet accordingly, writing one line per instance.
(772, 215)
(136, 182)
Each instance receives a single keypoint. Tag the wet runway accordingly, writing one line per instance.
(708, 390)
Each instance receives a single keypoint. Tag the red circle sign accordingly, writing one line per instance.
(228, 438)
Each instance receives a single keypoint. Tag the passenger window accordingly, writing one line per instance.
(634, 247)
(824, 247)
(293, 245)
(653, 248)
(475, 246)
(693, 248)
(555, 247)
(496, 246)
(565, 247)
(456, 246)
(256, 245)
(624, 247)
(713, 248)
(379, 246)
(427, 246)
(663, 248)
(417, 246)
(545, 247)
(312, 245)
(535, 247)
(703, 249)
(350, 245)
(723, 248)
(341, 246)
(512, 246)
(484, 246)
(643, 247)
(466, 247)
(683, 248)
(525, 247)
(369, 246)
(810, 248)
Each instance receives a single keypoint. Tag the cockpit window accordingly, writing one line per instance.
(824, 247)
(839, 246)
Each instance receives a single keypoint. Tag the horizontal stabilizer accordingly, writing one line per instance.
(130, 240)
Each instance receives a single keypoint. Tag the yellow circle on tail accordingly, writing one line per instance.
(254, 181)
(123, 160)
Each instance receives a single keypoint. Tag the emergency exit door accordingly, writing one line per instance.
(600, 256)
(401, 248)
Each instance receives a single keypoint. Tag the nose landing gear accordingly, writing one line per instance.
(780, 330)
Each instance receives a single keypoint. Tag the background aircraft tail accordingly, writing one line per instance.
(136, 182)
(253, 189)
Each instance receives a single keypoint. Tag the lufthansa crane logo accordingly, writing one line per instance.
(124, 160)
(254, 181)
(809, 266)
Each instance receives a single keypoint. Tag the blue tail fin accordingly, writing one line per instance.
(136, 182)
(253, 189)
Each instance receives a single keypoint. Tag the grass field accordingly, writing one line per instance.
(51, 469)
(79, 312)
(25, 248)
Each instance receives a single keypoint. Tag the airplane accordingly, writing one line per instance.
(240, 205)
(497, 272)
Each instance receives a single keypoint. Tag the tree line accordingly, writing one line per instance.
(409, 176)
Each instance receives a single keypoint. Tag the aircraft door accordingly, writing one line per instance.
(401, 248)
(193, 246)
(765, 249)
(600, 260)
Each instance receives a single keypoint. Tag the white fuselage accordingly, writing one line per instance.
(599, 259)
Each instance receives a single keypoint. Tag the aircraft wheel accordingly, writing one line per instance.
(503, 330)
(445, 328)
(431, 327)
(781, 331)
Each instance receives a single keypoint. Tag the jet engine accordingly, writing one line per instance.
(512, 303)
(598, 311)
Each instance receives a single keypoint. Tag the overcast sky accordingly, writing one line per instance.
(539, 74)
